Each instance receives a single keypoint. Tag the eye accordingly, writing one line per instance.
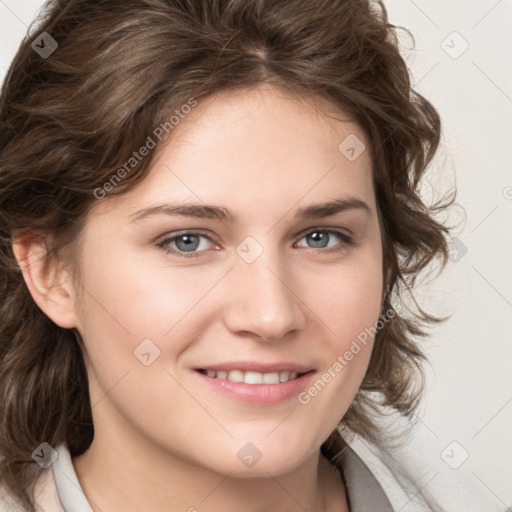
(187, 243)
(320, 237)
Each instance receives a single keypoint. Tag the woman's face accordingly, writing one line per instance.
(264, 285)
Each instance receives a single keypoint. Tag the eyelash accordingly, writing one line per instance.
(345, 238)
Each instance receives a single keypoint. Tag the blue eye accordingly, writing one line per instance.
(186, 244)
(321, 237)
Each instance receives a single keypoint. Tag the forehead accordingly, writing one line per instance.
(261, 147)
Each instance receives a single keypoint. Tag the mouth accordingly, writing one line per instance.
(258, 384)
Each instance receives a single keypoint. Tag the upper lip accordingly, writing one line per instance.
(255, 366)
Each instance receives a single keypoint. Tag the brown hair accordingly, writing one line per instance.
(71, 119)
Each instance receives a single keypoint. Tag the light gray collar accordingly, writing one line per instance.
(364, 492)
(68, 487)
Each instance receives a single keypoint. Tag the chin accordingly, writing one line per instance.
(258, 458)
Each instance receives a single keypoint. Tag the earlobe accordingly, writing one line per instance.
(52, 291)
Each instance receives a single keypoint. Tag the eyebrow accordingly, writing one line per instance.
(207, 211)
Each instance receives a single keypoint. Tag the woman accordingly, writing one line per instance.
(209, 211)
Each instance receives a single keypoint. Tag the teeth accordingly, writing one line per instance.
(271, 378)
(251, 377)
(236, 376)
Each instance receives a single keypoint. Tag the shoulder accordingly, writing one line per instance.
(45, 494)
(411, 477)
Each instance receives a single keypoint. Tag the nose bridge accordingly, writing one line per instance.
(263, 298)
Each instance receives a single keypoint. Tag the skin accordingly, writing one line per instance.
(165, 441)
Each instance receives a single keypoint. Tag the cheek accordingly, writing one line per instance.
(351, 300)
(129, 311)
(350, 308)
(138, 299)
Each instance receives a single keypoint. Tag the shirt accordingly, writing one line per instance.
(58, 488)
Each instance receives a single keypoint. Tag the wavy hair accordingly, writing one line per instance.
(70, 119)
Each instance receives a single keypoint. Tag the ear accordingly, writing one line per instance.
(52, 291)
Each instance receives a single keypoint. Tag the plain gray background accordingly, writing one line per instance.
(462, 64)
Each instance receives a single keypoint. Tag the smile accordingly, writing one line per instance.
(256, 383)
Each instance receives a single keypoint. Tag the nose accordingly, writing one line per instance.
(265, 300)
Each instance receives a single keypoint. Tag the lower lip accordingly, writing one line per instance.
(262, 394)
